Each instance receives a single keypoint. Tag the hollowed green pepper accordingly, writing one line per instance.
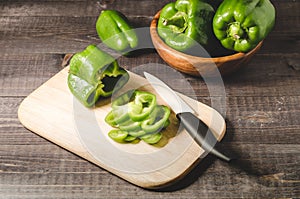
(241, 24)
(114, 30)
(94, 73)
(184, 23)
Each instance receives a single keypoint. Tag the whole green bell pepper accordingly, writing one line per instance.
(184, 23)
(241, 24)
(94, 73)
(114, 31)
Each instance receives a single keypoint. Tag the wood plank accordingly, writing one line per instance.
(265, 75)
(78, 8)
(12, 131)
(275, 78)
(50, 8)
(262, 107)
(55, 33)
(71, 34)
(262, 123)
(82, 8)
(57, 170)
(47, 34)
(38, 69)
(29, 158)
(90, 192)
(285, 21)
(44, 26)
(92, 8)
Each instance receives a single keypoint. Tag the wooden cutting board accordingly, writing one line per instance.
(53, 113)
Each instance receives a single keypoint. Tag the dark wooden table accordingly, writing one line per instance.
(262, 103)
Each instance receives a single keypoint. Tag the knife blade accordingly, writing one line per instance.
(199, 131)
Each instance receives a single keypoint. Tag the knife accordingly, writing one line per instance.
(186, 115)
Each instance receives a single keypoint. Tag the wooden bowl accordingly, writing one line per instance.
(198, 66)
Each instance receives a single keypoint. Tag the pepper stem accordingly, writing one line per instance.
(177, 23)
(235, 31)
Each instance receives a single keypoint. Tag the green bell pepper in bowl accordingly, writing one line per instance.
(185, 23)
(240, 25)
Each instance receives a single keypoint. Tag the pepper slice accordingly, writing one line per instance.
(184, 23)
(136, 113)
(137, 133)
(240, 25)
(140, 104)
(114, 30)
(152, 138)
(123, 99)
(117, 135)
(94, 73)
(117, 116)
(130, 138)
(157, 119)
(143, 104)
(130, 125)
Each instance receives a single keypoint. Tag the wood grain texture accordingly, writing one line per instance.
(51, 113)
(50, 32)
(262, 103)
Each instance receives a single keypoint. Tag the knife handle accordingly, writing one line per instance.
(201, 134)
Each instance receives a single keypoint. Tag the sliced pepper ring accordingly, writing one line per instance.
(144, 104)
(137, 133)
(130, 125)
(123, 99)
(152, 138)
(140, 104)
(137, 114)
(117, 135)
(117, 116)
(157, 119)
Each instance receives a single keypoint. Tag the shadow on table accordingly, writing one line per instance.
(191, 177)
(239, 163)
